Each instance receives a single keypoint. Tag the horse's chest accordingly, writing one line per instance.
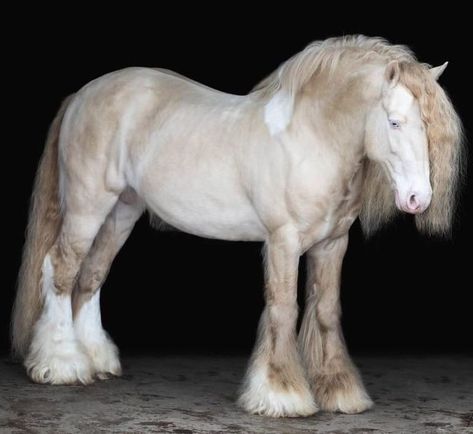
(332, 212)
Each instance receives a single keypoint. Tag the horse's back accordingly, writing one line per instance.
(132, 85)
(135, 99)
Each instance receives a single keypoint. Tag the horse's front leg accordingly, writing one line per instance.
(275, 383)
(333, 377)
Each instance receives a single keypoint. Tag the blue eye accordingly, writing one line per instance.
(394, 124)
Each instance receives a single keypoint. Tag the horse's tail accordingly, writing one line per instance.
(44, 222)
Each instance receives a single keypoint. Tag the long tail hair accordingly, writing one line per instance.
(44, 222)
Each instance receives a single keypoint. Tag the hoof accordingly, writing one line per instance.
(265, 397)
(60, 366)
(341, 392)
(103, 354)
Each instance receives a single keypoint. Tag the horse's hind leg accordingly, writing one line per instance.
(334, 378)
(86, 296)
(275, 383)
(55, 355)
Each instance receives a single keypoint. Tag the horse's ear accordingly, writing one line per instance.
(392, 72)
(437, 71)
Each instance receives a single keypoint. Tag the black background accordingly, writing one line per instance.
(174, 292)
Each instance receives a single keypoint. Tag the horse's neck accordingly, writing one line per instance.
(334, 111)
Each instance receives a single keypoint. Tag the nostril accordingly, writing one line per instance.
(413, 202)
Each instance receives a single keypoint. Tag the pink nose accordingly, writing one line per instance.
(413, 203)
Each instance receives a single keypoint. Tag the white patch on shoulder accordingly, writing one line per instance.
(278, 112)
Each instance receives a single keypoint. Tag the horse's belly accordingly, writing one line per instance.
(211, 213)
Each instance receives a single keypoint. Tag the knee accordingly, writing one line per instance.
(90, 281)
(66, 264)
(283, 312)
(64, 277)
(328, 317)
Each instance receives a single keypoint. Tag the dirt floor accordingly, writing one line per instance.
(197, 395)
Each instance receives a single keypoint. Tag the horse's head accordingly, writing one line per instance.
(414, 134)
(397, 139)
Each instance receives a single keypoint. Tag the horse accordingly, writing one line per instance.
(349, 127)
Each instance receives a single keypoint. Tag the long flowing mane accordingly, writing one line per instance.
(446, 155)
(444, 128)
(293, 74)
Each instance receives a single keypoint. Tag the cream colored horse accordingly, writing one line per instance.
(348, 127)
